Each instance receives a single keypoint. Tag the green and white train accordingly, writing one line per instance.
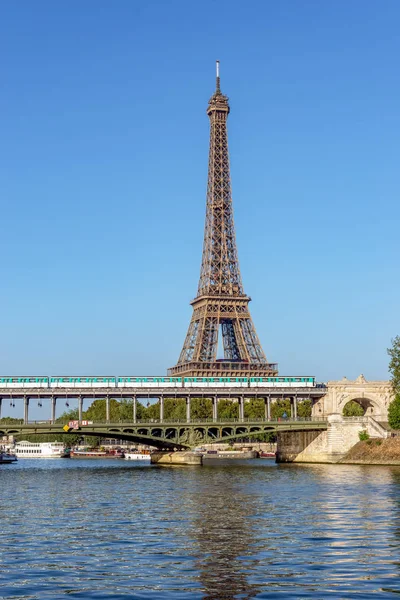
(155, 382)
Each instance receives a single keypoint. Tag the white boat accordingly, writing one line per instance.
(137, 456)
(41, 450)
(7, 457)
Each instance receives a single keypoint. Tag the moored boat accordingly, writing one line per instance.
(231, 454)
(96, 453)
(26, 449)
(264, 454)
(143, 456)
(7, 458)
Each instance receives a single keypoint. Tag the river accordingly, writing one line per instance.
(113, 529)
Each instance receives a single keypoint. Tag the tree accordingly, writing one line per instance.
(175, 409)
(353, 409)
(201, 408)
(394, 369)
(97, 411)
(394, 413)
(126, 410)
(304, 408)
(68, 415)
(279, 408)
(394, 364)
(228, 409)
(254, 409)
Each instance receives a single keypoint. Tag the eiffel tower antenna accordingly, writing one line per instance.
(221, 306)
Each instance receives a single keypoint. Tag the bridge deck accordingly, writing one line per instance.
(167, 392)
(173, 434)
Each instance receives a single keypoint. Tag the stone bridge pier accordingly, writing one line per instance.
(330, 445)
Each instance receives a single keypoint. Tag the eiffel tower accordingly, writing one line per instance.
(221, 304)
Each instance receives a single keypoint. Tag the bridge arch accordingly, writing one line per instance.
(373, 396)
(371, 406)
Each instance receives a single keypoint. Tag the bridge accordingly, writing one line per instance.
(240, 395)
(169, 435)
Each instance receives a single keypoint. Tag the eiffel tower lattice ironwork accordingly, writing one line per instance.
(221, 304)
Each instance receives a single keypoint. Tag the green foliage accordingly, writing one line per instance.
(394, 364)
(97, 411)
(228, 409)
(68, 415)
(175, 409)
(126, 409)
(153, 411)
(10, 420)
(279, 408)
(304, 408)
(254, 409)
(394, 412)
(363, 435)
(353, 409)
(201, 408)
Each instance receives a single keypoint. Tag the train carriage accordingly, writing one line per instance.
(283, 382)
(82, 382)
(149, 382)
(24, 382)
(215, 382)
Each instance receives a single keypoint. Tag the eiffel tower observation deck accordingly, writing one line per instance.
(221, 306)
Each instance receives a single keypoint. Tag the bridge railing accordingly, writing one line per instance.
(179, 421)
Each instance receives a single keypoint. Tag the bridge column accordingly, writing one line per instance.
(80, 408)
(26, 410)
(294, 415)
(267, 402)
(161, 409)
(1, 402)
(241, 408)
(134, 408)
(53, 409)
(215, 408)
(188, 409)
(108, 409)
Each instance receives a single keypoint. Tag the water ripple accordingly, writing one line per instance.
(254, 530)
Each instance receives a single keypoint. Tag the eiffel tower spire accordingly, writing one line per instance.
(221, 304)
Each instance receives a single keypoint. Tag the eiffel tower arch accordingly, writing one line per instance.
(221, 306)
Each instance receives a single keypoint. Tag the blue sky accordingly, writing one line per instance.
(103, 168)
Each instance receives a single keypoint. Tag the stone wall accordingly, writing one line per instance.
(330, 445)
(302, 446)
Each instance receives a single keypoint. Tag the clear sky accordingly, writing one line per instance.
(103, 167)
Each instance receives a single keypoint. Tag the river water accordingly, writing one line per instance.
(113, 529)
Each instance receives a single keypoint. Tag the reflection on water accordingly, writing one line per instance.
(252, 530)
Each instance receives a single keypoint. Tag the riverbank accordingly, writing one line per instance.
(374, 452)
